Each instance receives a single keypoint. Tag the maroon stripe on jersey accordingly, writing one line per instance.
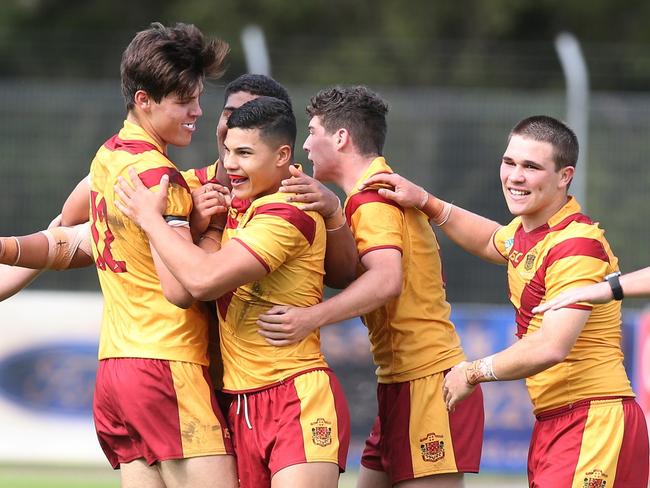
(151, 177)
(240, 205)
(535, 290)
(231, 222)
(223, 302)
(361, 198)
(632, 465)
(525, 241)
(130, 146)
(202, 175)
(580, 218)
(296, 217)
(376, 248)
(466, 425)
(257, 256)
(554, 439)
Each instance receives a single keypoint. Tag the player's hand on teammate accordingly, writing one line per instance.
(210, 203)
(597, 293)
(456, 388)
(311, 193)
(283, 325)
(402, 191)
(137, 202)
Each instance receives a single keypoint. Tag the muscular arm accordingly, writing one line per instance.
(470, 231)
(381, 282)
(76, 208)
(341, 257)
(13, 279)
(532, 354)
(205, 275)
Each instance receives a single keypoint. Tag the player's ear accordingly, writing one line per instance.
(566, 175)
(284, 155)
(341, 138)
(142, 100)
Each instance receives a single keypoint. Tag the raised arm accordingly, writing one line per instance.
(468, 230)
(341, 256)
(205, 275)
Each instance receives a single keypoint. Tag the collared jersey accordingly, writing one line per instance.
(411, 336)
(290, 244)
(568, 251)
(137, 320)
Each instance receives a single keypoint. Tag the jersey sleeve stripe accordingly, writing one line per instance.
(576, 246)
(130, 146)
(361, 198)
(257, 256)
(377, 248)
(296, 217)
(202, 175)
(151, 177)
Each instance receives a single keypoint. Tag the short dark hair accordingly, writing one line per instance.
(357, 109)
(543, 128)
(272, 116)
(163, 60)
(259, 85)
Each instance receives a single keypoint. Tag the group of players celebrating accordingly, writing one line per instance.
(182, 400)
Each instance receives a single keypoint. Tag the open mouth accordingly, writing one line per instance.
(191, 126)
(518, 193)
(237, 179)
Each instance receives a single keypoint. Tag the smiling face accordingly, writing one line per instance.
(173, 119)
(533, 188)
(255, 166)
(320, 147)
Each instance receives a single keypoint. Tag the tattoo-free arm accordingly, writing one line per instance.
(470, 231)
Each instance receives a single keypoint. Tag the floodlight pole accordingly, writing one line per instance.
(577, 100)
(255, 51)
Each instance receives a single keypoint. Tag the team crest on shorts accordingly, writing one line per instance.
(595, 479)
(432, 447)
(321, 432)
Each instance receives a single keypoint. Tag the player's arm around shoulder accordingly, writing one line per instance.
(472, 232)
(380, 283)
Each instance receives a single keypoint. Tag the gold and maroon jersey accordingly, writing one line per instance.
(568, 251)
(290, 244)
(138, 321)
(411, 336)
(198, 177)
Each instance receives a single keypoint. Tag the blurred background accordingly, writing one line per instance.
(457, 75)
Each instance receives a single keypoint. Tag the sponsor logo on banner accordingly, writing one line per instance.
(432, 447)
(321, 432)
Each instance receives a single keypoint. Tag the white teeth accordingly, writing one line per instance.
(190, 126)
(519, 193)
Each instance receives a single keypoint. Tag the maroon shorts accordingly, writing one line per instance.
(592, 443)
(304, 419)
(415, 436)
(157, 410)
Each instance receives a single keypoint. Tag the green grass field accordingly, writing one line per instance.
(27, 476)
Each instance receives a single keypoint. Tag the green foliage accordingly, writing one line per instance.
(417, 42)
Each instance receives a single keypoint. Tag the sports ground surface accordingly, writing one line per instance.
(26, 476)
